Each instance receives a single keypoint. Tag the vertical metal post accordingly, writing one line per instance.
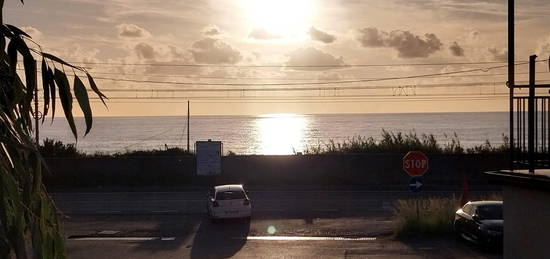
(417, 211)
(511, 76)
(531, 114)
(188, 113)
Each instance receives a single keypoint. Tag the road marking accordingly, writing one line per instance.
(301, 238)
(121, 238)
(108, 232)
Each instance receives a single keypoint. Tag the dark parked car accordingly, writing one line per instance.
(480, 222)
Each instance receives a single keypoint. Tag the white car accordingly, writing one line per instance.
(228, 201)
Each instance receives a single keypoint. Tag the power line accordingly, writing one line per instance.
(370, 87)
(289, 66)
(310, 97)
(283, 78)
(306, 83)
(358, 100)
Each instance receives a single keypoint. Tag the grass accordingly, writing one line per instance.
(389, 142)
(403, 142)
(56, 148)
(436, 216)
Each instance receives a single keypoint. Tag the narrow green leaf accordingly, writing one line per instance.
(58, 60)
(46, 88)
(51, 83)
(82, 97)
(12, 59)
(95, 89)
(66, 98)
(30, 76)
(17, 31)
(2, 44)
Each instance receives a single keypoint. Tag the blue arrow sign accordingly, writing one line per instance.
(416, 183)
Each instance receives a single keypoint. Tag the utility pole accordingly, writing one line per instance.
(188, 112)
(531, 114)
(511, 75)
(36, 118)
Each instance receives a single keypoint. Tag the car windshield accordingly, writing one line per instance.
(230, 195)
(489, 212)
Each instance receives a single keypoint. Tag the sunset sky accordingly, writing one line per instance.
(246, 44)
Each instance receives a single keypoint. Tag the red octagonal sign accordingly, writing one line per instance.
(415, 163)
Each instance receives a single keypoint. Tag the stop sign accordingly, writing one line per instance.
(415, 163)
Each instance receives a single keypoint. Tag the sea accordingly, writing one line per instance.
(272, 134)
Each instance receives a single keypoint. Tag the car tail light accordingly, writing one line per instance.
(246, 202)
(215, 204)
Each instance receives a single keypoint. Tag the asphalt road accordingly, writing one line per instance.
(285, 224)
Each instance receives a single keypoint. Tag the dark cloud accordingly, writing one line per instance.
(312, 57)
(371, 37)
(407, 44)
(214, 51)
(498, 54)
(321, 36)
(263, 34)
(456, 50)
(144, 51)
(132, 31)
(211, 31)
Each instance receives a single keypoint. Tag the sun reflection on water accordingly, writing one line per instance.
(281, 134)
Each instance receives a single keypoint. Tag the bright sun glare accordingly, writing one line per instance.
(281, 134)
(287, 18)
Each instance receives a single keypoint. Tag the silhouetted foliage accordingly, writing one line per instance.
(28, 218)
(56, 148)
(401, 143)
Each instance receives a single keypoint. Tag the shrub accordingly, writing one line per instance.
(436, 216)
(400, 143)
(56, 148)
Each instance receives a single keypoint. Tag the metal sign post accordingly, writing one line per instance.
(415, 164)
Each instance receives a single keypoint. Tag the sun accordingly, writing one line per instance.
(284, 18)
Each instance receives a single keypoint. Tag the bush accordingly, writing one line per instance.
(436, 216)
(401, 143)
(167, 151)
(56, 148)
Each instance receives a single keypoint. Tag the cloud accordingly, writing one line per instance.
(211, 30)
(371, 37)
(407, 44)
(456, 50)
(33, 32)
(144, 51)
(132, 31)
(321, 36)
(263, 34)
(498, 54)
(543, 49)
(312, 57)
(214, 51)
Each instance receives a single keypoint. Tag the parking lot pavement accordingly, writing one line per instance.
(307, 224)
(193, 236)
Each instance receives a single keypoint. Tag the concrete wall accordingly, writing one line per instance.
(526, 223)
(353, 169)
